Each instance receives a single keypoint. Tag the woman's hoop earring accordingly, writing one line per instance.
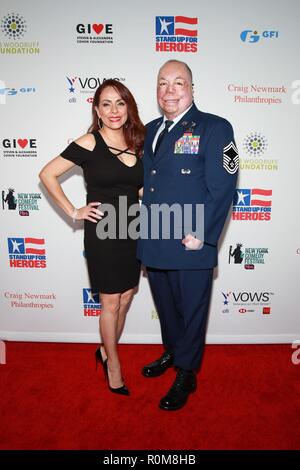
(100, 123)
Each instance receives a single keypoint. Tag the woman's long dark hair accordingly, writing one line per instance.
(134, 129)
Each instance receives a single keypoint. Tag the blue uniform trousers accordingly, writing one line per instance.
(182, 301)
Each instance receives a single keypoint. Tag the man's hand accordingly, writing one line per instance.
(192, 243)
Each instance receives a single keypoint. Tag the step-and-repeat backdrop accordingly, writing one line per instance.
(245, 61)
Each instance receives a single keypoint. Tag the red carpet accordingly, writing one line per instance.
(248, 397)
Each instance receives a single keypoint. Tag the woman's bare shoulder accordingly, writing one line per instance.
(87, 141)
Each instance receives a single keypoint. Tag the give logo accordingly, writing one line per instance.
(18, 142)
(98, 28)
(22, 143)
(94, 28)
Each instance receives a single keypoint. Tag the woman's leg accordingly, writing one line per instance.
(125, 301)
(108, 330)
(112, 320)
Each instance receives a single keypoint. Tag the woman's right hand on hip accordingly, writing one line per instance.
(89, 212)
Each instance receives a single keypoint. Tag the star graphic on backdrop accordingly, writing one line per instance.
(15, 245)
(90, 296)
(71, 81)
(226, 299)
(241, 197)
(164, 26)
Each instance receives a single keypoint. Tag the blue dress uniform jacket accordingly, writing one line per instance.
(183, 174)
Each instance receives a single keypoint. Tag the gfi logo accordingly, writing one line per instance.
(249, 35)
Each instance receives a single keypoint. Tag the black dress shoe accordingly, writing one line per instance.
(158, 367)
(184, 384)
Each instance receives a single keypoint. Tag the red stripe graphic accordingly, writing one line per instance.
(34, 251)
(258, 202)
(261, 202)
(262, 192)
(186, 19)
(38, 241)
(185, 32)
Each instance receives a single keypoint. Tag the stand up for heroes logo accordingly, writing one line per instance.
(176, 34)
(252, 204)
(26, 252)
(91, 303)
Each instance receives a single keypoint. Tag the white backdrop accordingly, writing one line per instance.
(246, 68)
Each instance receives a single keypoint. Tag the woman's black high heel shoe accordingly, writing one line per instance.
(99, 358)
(120, 390)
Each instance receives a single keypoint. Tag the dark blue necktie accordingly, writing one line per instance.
(162, 135)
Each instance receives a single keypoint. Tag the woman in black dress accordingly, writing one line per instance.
(109, 155)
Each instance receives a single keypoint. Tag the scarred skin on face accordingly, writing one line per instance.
(174, 89)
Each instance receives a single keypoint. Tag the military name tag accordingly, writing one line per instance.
(188, 143)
